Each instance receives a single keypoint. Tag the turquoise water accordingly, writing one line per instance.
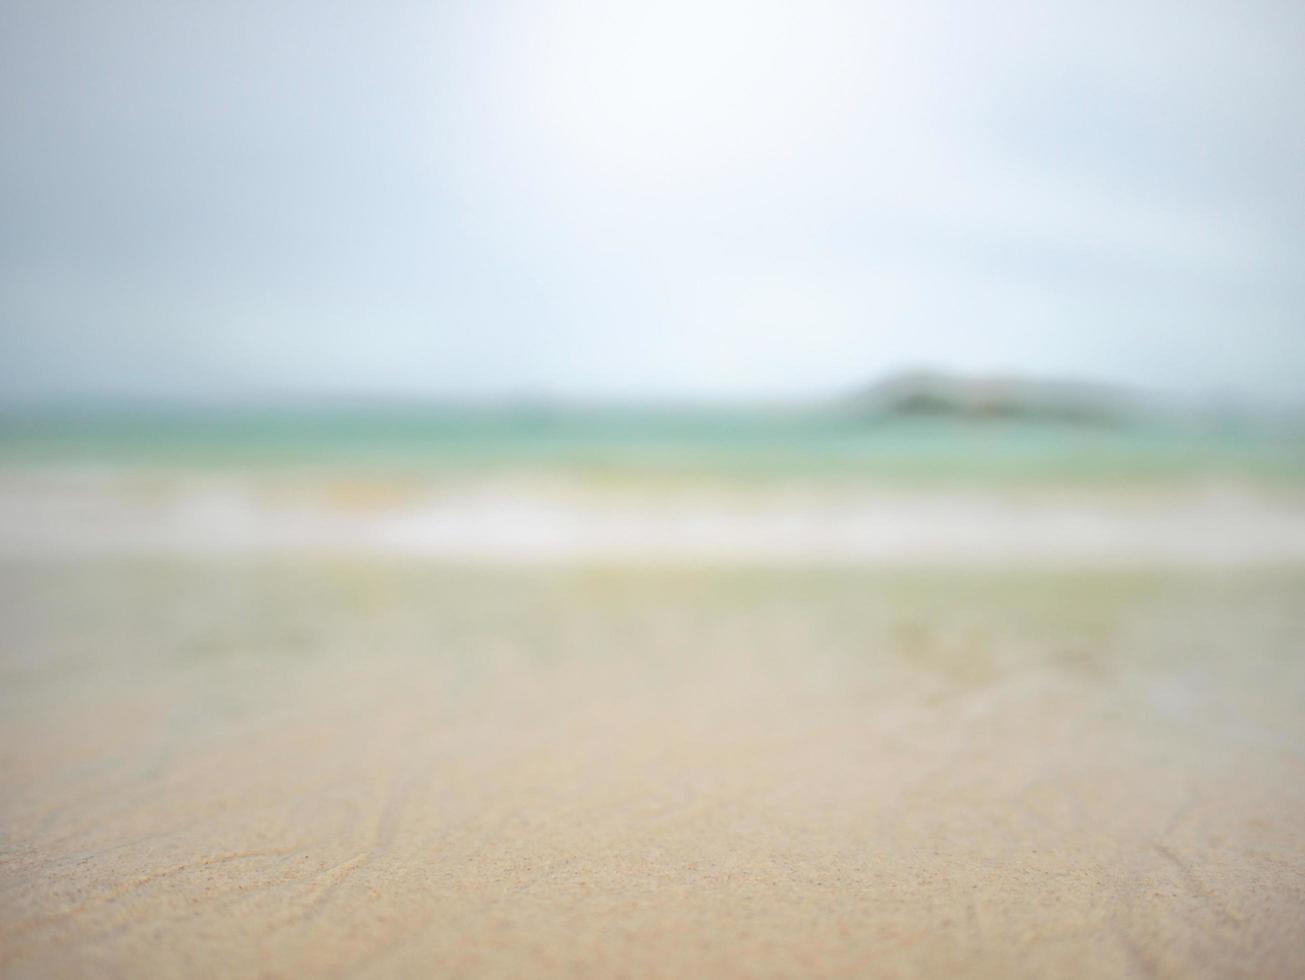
(756, 444)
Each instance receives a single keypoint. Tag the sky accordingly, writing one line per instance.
(708, 200)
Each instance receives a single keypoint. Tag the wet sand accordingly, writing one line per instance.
(292, 768)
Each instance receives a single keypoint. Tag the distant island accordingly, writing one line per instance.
(940, 394)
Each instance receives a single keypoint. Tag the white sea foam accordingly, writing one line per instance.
(67, 512)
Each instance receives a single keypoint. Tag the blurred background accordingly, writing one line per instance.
(848, 242)
(749, 239)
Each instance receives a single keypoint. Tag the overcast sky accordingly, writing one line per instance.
(237, 199)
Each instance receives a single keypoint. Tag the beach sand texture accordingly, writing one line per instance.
(238, 768)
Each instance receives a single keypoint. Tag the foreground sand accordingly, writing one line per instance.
(362, 768)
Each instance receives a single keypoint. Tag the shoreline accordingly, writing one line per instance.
(541, 519)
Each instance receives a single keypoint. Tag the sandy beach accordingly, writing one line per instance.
(714, 490)
(239, 767)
